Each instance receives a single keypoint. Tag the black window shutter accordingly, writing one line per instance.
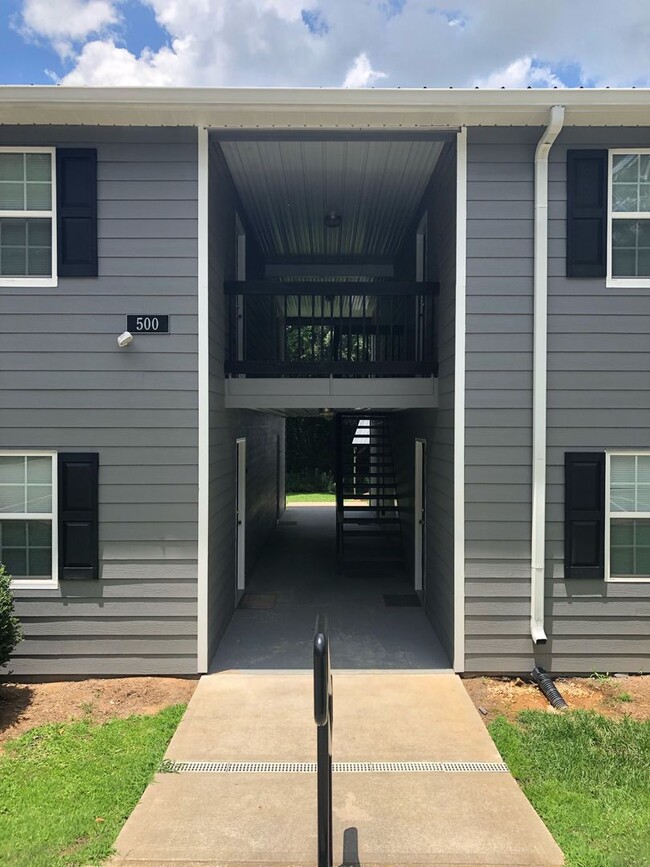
(78, 524)
(586, 252)
(584, 515)
(76, 191)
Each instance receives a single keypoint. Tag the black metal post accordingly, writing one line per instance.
(323, 716)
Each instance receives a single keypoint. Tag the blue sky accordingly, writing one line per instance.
(27, 59)
(354, 43)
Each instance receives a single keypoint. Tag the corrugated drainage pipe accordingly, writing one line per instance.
(544, 681)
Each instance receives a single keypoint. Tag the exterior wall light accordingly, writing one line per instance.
(125, 339)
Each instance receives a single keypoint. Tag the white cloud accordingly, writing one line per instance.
(413, 42)
(361, 73)
(104, 63)
(521, 73)
(64, 22)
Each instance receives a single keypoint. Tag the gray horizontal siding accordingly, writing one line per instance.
(153, 662)
(121, 609)
(599, 368)
(65, 385)
(599, 398)
(112, 627)
(498, 389)
(435, 427)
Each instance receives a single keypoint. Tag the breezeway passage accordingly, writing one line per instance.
(403, 817)
(296, 573)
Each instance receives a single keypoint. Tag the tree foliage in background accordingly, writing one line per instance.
(10, 630)
(310, 455)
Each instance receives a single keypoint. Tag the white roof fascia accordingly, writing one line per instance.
(318, 108)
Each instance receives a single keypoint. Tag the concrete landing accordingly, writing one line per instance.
(298, 568)
(391, 818)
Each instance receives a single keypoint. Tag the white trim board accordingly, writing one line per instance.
(331, 393)
(459, 401)
(203, 637)
(318, 108)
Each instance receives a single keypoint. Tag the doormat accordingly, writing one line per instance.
(258, 601)
(287, 523)
(401, 600)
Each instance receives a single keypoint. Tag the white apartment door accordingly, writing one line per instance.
(240, 514)
(419, 517)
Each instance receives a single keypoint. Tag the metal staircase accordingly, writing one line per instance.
(367, 516)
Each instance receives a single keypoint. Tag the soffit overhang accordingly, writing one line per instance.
(318, 108)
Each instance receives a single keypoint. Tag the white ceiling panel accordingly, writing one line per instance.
(287, 188)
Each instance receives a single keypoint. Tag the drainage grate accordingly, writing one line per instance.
(337, 767)
(241, 767)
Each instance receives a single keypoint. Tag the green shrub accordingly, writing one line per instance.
(310, 482)
(10, 630)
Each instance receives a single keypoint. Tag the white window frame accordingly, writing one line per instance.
(614, 579)
(611, 281)
(51, 214)
(53, 582)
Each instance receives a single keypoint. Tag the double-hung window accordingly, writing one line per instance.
(628, 519)
(629, 218)
(27, 217)
(27, 518)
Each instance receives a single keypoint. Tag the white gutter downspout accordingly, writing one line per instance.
(540, 292)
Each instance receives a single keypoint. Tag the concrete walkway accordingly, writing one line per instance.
(396, 816)
(297, 571)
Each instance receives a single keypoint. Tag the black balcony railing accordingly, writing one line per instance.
(367, 329)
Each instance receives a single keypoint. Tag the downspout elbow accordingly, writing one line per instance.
(555, 124)
(540, 291)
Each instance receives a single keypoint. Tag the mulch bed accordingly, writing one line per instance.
(26, 705)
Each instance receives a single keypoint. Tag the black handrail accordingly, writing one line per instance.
(331, 329)
(332, 287)
(323, 716)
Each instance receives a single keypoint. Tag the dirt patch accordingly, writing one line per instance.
(612, 696)
(26, 705)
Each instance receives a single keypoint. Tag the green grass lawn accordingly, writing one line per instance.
(589, 779)
(311, 498)
(66, 790)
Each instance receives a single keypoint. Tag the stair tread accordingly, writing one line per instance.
(384, 495)
(369, 531)
(368, 509)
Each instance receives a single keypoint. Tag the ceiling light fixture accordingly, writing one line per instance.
(332, 220)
